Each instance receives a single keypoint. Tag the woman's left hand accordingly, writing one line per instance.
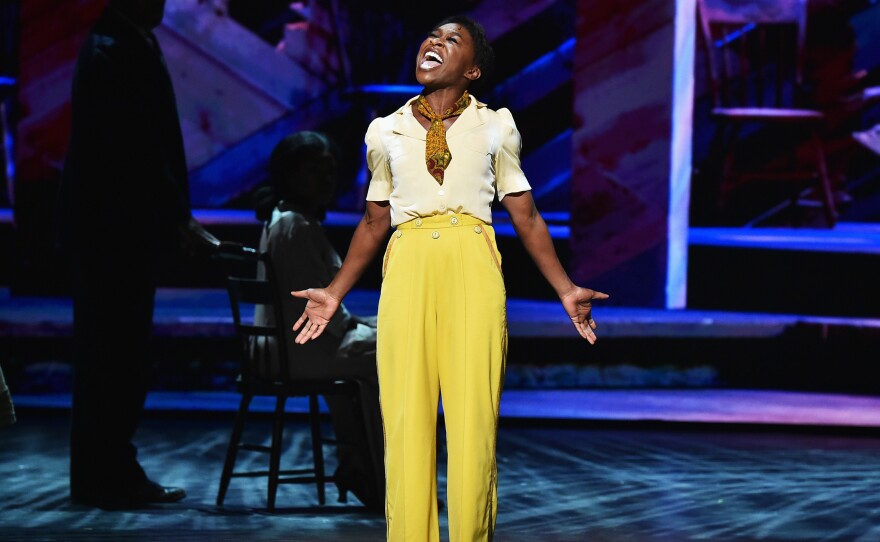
(320, 308)
(578, 303)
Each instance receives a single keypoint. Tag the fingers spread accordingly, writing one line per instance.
(585, 330)
(591, 337)
(300, 321)
(311, 331)
(580, 328)
(306, 334)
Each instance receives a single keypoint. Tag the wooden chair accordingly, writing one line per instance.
(755, 53)
(267, 373)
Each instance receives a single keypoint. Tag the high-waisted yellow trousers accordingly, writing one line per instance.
(442, 331)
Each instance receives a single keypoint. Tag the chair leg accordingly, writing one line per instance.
(275, 451)
(232, 449)
(728, 175)
(825, 182)
(317, 447)
(363, 442)
(706, 180)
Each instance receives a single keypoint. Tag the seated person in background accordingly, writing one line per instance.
(302, 184)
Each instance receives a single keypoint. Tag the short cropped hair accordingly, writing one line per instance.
(484, 55)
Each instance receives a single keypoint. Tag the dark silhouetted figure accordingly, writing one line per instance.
(302, 172)
(124, 211)
(7, 411)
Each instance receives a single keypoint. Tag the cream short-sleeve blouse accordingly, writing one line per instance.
(485, 146)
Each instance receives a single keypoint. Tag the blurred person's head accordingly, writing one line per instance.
(146, 14)
(302, 173)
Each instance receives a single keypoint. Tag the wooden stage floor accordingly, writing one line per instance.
(701, 407)
(612, 465)
(556, 483)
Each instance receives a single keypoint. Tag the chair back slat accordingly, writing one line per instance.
(743, 43)
(253, 295)
(252, 291)
(754, 51)
(252, 330)
(780, 77)
(727, 75)
(761, 65)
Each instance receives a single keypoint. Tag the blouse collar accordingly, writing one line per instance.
(406, 124)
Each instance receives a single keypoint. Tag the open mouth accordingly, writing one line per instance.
(431, 61)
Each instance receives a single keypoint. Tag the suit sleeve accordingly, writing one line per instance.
(136, 149)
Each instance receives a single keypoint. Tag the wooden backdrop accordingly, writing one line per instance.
(633, 81)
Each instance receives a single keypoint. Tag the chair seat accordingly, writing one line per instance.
(770, 114)
(299, 387)
(249, 288)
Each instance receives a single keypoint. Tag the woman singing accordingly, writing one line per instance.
(437, 163)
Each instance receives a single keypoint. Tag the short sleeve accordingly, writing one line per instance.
(377, 162)
(509, 176)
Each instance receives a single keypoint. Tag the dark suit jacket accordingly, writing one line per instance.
(124, 185)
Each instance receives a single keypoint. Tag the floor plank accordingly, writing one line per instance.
(555, 483)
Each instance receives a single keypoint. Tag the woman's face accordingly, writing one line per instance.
(446, 58)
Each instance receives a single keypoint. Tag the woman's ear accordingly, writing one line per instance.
(474, 73)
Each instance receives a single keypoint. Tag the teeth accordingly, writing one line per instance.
(434, 56)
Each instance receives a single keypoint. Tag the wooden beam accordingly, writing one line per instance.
(499, 17)
(216, 36)
(633, 74)
(536, 80)
(242, 165)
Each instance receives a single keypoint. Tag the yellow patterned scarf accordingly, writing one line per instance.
(437, 155)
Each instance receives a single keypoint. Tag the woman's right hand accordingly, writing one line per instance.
(320, 307)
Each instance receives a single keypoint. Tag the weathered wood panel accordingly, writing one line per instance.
(229, 83)
(217, 106)
(501, 16)
(51, 34)
(623, 153)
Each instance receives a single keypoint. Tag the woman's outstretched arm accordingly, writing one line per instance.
(532, 231)
(369, 236)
